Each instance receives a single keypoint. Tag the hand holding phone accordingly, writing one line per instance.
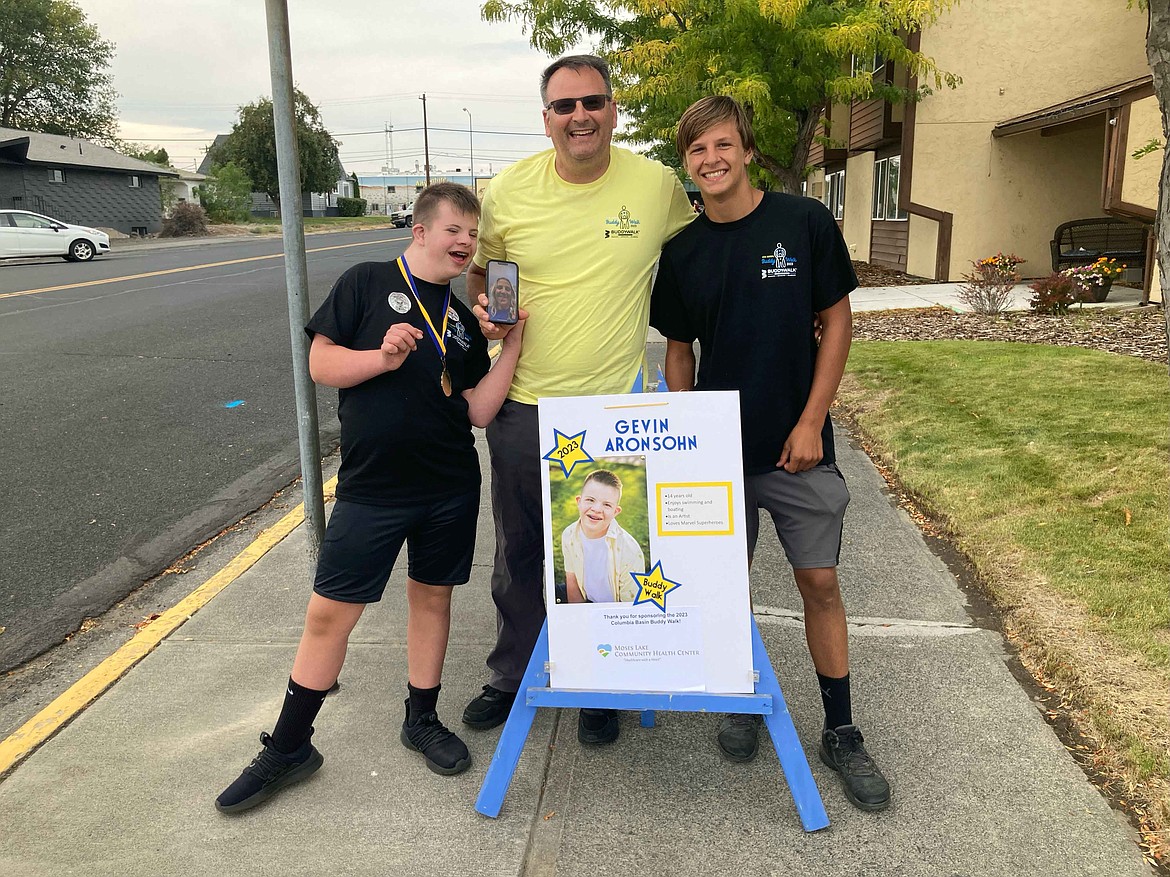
(503, 292)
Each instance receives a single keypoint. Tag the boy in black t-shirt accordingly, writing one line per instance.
(747, 279)
(412, 368)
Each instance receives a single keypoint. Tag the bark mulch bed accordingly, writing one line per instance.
(1139, 332)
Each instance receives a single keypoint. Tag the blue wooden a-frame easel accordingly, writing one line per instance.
(767, 701)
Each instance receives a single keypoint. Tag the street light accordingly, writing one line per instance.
(471, 144)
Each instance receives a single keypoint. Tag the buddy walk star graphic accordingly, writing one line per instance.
(653, 586)
(570, 451)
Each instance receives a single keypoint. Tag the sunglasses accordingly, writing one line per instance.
(591, 102)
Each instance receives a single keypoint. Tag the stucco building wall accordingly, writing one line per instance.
(1140, 183)
(858, 226)
(1010, 193)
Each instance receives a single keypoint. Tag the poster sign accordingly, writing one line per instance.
(646, 574)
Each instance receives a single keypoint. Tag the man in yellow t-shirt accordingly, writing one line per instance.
(585, 221)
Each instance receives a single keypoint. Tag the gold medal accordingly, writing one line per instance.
(437, 335)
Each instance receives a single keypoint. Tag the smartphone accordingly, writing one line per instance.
(503, 292)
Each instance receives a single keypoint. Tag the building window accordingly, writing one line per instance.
(138, 231)
(887, 174)
(135, 181)
(873, 64)
(56, 175)
(804, 188)
(835, 193)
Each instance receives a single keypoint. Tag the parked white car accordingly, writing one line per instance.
(24, 234)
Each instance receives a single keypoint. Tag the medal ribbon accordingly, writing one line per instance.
(436, 336)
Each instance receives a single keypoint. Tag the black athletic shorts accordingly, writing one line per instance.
(362, 542)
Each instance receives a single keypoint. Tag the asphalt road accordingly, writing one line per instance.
(140, 416)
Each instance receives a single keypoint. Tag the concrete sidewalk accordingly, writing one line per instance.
(981, 784)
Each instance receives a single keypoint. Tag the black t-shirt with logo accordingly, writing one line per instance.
(402, 439)
(748, 291)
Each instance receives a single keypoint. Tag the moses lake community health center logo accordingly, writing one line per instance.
(777, 264)
(604, 649)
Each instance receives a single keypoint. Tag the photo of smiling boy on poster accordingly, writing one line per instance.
(601, 532)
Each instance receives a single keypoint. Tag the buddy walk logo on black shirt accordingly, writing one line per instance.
(777, 264)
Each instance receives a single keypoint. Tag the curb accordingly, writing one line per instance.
(41, 727)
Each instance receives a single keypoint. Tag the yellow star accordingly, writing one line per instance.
(570, 451)
(654, 586)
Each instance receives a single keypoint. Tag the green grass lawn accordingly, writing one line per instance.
(1055, 457)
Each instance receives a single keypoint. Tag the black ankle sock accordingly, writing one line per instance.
(835, 698)
(295, 724)
(422, 700)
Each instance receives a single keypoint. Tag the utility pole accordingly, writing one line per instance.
(288, 162)
(426, 142)
(471, 146)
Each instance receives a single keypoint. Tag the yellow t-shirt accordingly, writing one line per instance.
(586, 254)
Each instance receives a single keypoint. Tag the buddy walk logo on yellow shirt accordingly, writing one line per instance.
(621, 226)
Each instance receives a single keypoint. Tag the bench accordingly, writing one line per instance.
(1083, 241)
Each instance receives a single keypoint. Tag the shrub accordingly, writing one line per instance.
(226, 194)
(1055, 293)
(988, 288)
(186, 219)
(351, 206)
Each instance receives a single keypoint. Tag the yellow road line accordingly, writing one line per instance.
(188, 268)
(61, 711)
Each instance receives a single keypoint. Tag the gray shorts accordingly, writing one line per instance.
(808, 509)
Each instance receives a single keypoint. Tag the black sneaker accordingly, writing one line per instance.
(489, 709)
(595, 727)
(738, 737)
(843, 750)
(269, 772)
(444, 752)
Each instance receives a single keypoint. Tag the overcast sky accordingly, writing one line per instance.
(183, 69)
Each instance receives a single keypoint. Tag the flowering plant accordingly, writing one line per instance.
(1096, 273)
(988, 288)
(1005, 264)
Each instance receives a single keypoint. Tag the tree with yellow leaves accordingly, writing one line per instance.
(784, 60)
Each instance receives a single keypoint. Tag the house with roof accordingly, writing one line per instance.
(1042, 131)
(312, 203)
(80, 182)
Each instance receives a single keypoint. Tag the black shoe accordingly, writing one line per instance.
(269, 772)
(489, 709)
(595, 727)
(843, 750)
(444, 752)
(738, 737)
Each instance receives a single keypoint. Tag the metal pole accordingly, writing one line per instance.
(471, 146)
(288, 164)
(426, 142)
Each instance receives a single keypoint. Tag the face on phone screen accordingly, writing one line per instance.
(502, 287)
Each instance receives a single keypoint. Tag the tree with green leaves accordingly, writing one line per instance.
(157, 155)
(252, 146)
(53, 71)
(786, 61)
(226, 194)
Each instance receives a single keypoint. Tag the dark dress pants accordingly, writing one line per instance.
(518, 576)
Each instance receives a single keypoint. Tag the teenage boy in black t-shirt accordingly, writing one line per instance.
(747, 278)
(412, 368)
